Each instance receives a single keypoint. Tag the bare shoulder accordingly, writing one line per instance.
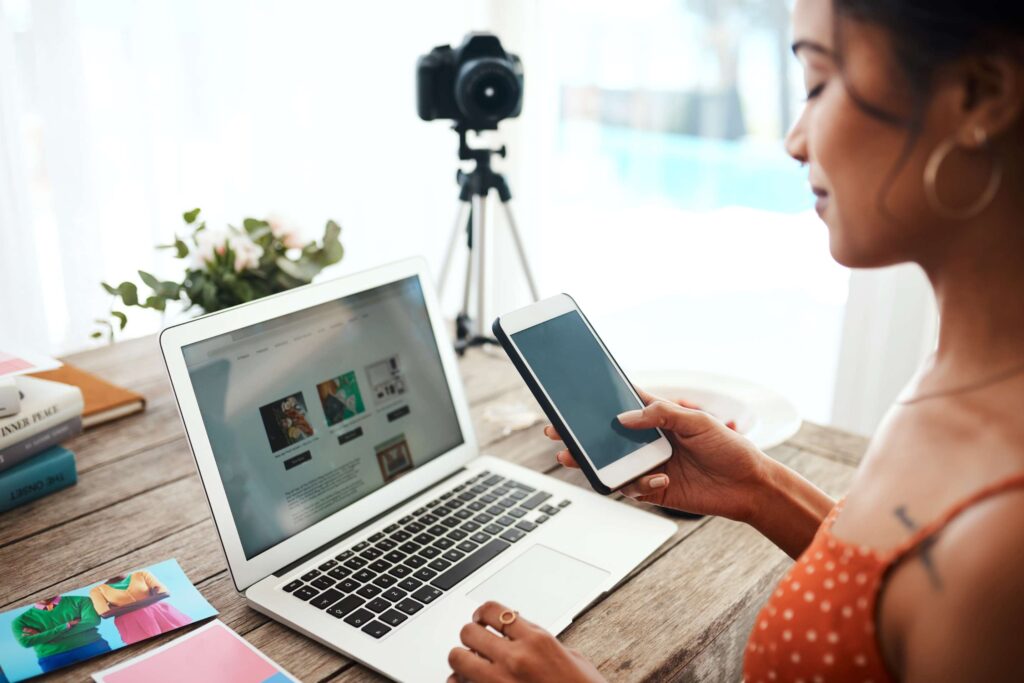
(968, 625)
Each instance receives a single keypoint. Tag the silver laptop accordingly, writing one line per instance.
(334, 441)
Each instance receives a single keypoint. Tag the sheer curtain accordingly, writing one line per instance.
(22, 309)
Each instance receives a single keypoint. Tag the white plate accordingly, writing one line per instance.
(762, 415)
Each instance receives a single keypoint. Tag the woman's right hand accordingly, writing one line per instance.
(713, 469)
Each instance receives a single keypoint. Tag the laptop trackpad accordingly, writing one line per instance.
(542, 584)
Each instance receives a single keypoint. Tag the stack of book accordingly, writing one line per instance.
(54, 406)
(32, 463)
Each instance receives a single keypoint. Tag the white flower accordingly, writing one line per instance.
(288, 235)
(247, 253)
(208, 244)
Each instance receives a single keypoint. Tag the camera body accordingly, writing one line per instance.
(477, 84)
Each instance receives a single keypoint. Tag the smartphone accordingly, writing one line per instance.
(582, 390)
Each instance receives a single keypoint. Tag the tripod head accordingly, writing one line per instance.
(482, 179)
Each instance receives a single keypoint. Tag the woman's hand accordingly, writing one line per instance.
(713, 469)
(519, 651)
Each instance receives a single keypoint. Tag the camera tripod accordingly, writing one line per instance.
(474, 188)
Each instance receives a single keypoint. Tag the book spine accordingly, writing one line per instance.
(30, 422)
(38, 477)
(23, 450)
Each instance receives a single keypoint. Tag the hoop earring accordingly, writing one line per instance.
(931, 179)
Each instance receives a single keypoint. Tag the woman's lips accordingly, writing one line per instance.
(822, 202)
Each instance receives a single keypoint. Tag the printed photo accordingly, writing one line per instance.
(340, 398)
(285, 421)
(61, 630)
(205, 655)
(394, 457)
(386, 379)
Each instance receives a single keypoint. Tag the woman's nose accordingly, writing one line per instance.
(796, 141)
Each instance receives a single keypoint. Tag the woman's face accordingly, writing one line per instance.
(874, 218)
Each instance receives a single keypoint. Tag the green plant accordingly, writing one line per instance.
(227, 267)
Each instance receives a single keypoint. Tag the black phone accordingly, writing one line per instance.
(582, 390)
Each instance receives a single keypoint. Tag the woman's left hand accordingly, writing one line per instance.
(522, 652)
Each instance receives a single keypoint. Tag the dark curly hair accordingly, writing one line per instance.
(927, 35)
(931, 33)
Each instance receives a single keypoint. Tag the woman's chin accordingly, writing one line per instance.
(852, 255)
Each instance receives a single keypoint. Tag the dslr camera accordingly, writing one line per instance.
(476, 84)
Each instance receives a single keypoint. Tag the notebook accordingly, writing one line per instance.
(104, 401)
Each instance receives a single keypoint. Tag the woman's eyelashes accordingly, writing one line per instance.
(814, 92)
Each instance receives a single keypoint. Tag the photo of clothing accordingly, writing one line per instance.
(58, 631)
(285, 421)
(340, 398)
(61, 631)
(144, 622)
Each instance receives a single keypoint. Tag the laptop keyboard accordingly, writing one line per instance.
(378, 583)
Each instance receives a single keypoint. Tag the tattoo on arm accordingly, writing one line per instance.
(925, 549)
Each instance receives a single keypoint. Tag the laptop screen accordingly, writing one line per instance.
(309, 412)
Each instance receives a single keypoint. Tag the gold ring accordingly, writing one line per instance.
(507, 617)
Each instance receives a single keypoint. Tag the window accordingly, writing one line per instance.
(659, 193)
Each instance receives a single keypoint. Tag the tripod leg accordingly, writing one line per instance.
(519, 248)
(470, 244)
(479, 222)
(460, 226)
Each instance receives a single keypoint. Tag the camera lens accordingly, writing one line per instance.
(487, 90)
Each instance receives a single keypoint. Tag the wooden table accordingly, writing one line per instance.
(683, 615)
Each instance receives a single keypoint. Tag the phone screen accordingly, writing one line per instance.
(584, 385)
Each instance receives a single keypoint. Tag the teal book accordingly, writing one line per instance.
(51, 470)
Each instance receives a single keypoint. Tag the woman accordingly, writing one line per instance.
(913, 136)
(135, 603)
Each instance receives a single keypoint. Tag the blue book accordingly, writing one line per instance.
(50, 471)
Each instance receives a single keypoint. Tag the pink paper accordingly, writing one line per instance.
(212, 656)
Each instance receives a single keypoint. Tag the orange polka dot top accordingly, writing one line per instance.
(819, 624)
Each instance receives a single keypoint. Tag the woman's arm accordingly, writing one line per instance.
(29, 637)
(154, 585)
(968, 626)
(99, 602)
(717, 471)
(787, 508)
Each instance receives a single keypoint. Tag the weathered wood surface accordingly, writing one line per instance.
(683, 615)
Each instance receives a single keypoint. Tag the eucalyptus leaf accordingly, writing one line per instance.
(331, 232)
(169, 290)
(300, 270)
(129, 293)
(191, 216)
(149, 280)
(209, 297)
(253, 224)
(157, 303)
(121, 317)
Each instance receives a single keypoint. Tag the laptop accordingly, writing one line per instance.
(333, 438)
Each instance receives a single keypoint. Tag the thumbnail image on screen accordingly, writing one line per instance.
(285, 421)
(340, 398)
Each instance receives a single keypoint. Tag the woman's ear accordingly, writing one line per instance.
(993, 100)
